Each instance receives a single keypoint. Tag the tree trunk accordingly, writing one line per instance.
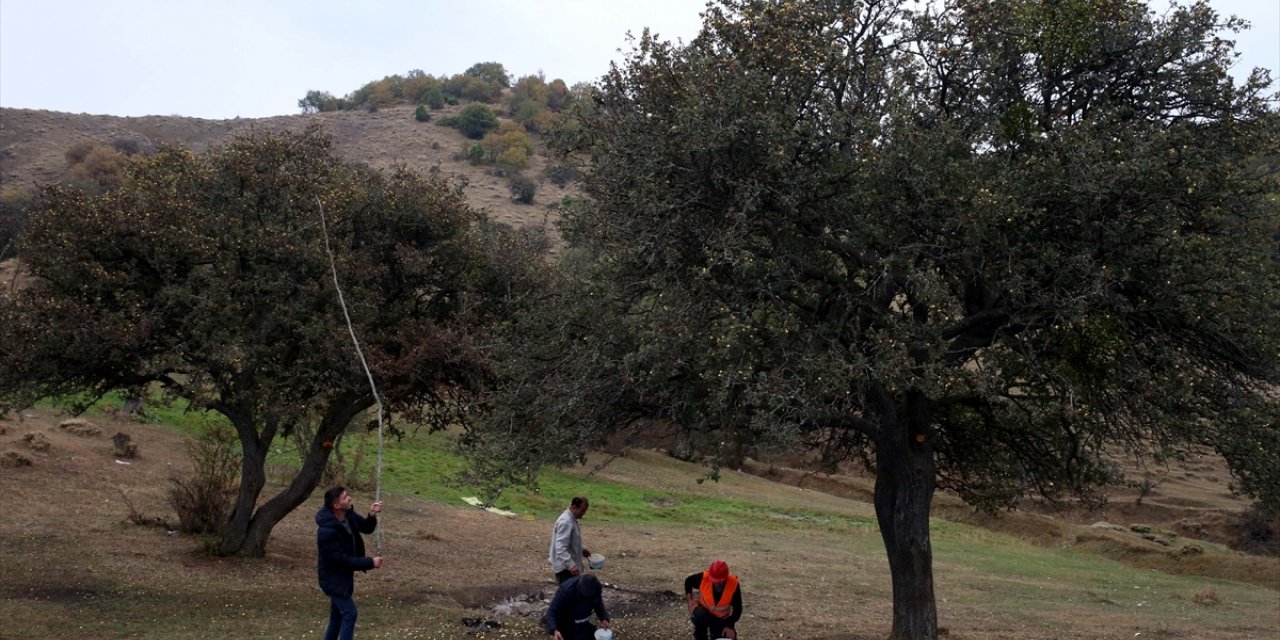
(903, 499)
(282, 504)
(253, 477)
(248, 530)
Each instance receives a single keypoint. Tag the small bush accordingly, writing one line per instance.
(522, 188)
(131, 147)
(512, 159)
(421, 114)
(123, 446)
(13, 460)
(561, 174)
(203, 496)
(1208, 598)
(474, 154)
(434, 98)
(79, 151)
(1260, 531)
(476, 120)
(14, 205)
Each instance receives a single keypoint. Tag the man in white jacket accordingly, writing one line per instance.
(566, 542)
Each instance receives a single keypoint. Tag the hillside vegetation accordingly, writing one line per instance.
(34, 144)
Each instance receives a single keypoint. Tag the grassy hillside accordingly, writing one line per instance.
(811, 561)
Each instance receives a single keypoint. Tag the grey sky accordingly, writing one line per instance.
(254, 58)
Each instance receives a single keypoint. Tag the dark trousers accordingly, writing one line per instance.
(571, 630)
(342, 619)
(704, 623)
(561, 576)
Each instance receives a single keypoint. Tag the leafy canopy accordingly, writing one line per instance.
(208, 275)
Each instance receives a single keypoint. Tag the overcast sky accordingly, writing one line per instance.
(255, 58)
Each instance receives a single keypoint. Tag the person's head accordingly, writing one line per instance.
(718, 572)
(589, 586)
(578, 506)
(337, 499)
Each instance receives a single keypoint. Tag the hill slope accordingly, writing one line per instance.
(33, 144)
(84, 559)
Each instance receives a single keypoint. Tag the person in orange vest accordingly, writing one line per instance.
(715, 602)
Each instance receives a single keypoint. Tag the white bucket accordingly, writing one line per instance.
(596, 561)
(604, 634)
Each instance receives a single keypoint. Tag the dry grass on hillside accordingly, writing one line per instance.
(33, 145)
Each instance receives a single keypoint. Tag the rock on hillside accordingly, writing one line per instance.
(33, 146)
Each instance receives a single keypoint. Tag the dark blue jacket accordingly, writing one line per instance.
(341, 553)
(570, 605)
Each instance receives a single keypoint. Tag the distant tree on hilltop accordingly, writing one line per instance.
(492, 72)
(318, 101)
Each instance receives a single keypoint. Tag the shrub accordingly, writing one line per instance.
(421, 114)
(130, 146)
(434, 97)
(203, 496)
(476, 120)
(78, 151)
(509, 147)
(513, 159)
(561, 174)
(523, 188)
(480, 91)
(474, 153)
(123, 446)
(96, 167)
(14, 205)
(1260, 531)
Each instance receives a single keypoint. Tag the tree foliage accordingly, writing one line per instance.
(14, 205)
(988, 246)
(476, 120)
(208, 276)
(491, 72)
(317, 101)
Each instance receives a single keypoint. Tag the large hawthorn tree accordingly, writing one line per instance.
(208, 276)
(986, 245)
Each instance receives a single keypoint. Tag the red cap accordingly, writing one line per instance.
(719, 571)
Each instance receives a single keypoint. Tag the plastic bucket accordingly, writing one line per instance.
(596, 561)
(604, 634)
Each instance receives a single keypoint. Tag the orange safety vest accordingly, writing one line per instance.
(706, 598)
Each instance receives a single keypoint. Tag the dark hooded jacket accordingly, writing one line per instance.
(575, 600)
(340, 553)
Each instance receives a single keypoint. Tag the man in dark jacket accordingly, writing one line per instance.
(340, 553)
(569, 615)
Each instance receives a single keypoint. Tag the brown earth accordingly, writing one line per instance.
(81, 544)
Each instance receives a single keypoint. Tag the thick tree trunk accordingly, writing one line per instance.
(253, 477)
(903, 499)
(249, 529)
(282, 504)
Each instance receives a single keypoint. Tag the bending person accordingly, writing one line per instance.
(715, 602)
(569, 615)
